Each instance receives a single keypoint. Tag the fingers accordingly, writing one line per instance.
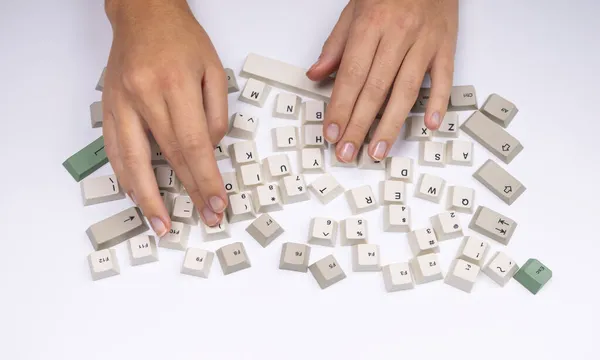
(442, 72)
(191, 131)
(332, 51)
(134, 151)
(214, 91)
(404, 94)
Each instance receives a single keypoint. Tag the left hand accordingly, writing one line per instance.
(378, 45)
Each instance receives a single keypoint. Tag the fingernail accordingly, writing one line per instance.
(332, 133)
(347, 152)
(380, 149)
(158, 226)
(435, 119)
(209, 216)
(217, 204)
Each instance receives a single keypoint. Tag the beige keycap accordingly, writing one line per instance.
(96, 114)
(243, 152)
(462, 275)
(312, 136)
(423, 241)
(426, 268)
(250, 176)
(184, 211)
(101, 189)
(502, 184)
(399, 168)
(432, 153)
(392, 192)
(430, 188)
(492, 224)
(156, 155)
(243, 126)
(240, 208)
(255, 93)
(326, 188)
(460, 199)
(449, 126)
(142, 250)
(293, 189)
(294, 257)
(313, 111)
(322, 231)
(366, 162)
(197, 262)
(473, 250)
(221, 152)
(276, 167)
(501, 268)
(398, 276)
(500, 110)
(416, 130)
(230, 181)
(396, 218)
(327, 271)
(103, 264)
(264, 230)
(335, 162)
(312, 161)
(446, 226)
(287, 106)
(233, 258)
(217, 232)
(492, 137)
(361, 199)
(420, 104)
(365, 257)
(285, 138)
(463, 98)
(100, 83)
(168, 199)
(232, 84)
(117, 228)
(266, 198)
(354, 231)
(459, 152)
(167, 179)
(177, 238)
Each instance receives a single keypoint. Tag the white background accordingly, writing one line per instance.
(542, 55)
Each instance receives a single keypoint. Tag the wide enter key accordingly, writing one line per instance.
(87, 160)
(499, 181)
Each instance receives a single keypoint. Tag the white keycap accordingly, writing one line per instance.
(432, 153)
(293, 189)
(233, 258)
(327, 271)
(294, 257)
(217, 232)
(312, 161)
(166, 179)
(462, 275)
(449, 126)
(243, 126)
(366, 162)
(243, 152)
(287, 106)
(184, 211)
(142, 250)
(231, 182)
(460, 199)
(416, 130)
(500, 268)
(459, 152)
(335, 162)
(168, 199)
(232, 84)
(326, 188)
(255, 93)
(492, 136)
(462, 98)
(101, 189)
(96, 114)
(423, 241)
(100, 83)
(353, 231)
(499, 110)
(392, 192)
(473, 250)
(499, 181)
(264, 230)
(420, 104)
(197, 262)
(117, 228)
(398, 277)
(240, 208)
(156, 155)
(492, 224)
(446, 226)
(276, 166)
(250, 176)
(426, 268)
(285, 138)
(221, 152)
(312, 136)
(313, 111)
(266, 198)
(365, 257)
(322, 231)
(430, 188)
(399, 168)
(361, 199)
(396, 218)
(177, 237)
(103, 264)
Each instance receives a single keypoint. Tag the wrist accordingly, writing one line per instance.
(117, 10)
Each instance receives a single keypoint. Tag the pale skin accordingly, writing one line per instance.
(164, 78)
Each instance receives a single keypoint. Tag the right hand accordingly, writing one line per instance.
(164, 76)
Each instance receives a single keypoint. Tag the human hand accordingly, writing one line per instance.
(164, 76)
(378, 45)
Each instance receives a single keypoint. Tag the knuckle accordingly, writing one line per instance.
(139, 80)
(354, 70)
(173, 155)
(193, 142)
(220, 127)
(171, 77)
(377, 14)
(409, 21)
(410, 85)
(376, 87)
(358, 129)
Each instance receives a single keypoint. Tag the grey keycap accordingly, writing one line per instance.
(100, 84)
(232, 85)
(420, 104)
(294, 257)
(499, 110)
(463, 98)
(96, 114)
(117, 228)
(327, 271)
(492, 136)
(492, 224)
(499, 181)
(264, 229)
(233, 257)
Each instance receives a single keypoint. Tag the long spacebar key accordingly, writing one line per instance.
(117, 228)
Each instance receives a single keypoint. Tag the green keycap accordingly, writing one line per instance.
(533, 275)
(86, 160)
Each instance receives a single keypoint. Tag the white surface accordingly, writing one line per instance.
(542, 55)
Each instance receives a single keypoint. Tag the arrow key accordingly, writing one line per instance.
(117, 228)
